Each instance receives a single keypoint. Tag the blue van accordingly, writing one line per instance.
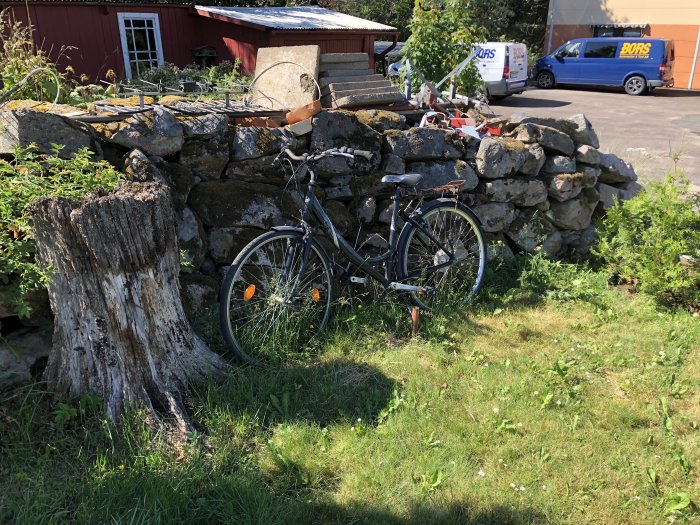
(638, 64)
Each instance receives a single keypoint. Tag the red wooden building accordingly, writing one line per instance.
(129, 37)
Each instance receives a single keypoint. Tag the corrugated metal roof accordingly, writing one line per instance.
(296, 18)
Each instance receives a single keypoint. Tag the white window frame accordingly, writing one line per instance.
(122, 17)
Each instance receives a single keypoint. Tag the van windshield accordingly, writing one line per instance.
(570, 50)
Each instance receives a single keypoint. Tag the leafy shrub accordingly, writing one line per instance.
(23, 180)
(441, 36)
(19, 56)
(642, 241)
(222, 74)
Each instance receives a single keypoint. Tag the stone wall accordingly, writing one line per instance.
(536, 187)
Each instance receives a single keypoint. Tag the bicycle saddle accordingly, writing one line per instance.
(409, 179)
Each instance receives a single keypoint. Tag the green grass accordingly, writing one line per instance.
(557, 401)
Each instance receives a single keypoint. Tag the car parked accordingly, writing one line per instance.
(636, 64)
(503, 68)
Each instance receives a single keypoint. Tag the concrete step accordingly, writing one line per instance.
(372, 99)
(325, 81)
(362, 64)
(339, 58)
(352, 86)
(337, 95)
(346, 73)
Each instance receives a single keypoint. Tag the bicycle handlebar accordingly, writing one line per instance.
(337, 152)
(305, 158)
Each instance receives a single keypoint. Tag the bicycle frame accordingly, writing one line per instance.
(313, 208)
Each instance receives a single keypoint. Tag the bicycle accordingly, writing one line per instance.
(279, 289)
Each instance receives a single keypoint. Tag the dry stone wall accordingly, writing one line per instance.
(537, 187)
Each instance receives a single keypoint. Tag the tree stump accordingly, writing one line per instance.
(120, 329)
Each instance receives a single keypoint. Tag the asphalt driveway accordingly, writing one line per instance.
(647, 130)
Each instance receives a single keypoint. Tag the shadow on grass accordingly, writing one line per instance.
(316, 392)
(245, 498)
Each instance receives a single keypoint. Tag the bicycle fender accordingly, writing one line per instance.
(288, 229)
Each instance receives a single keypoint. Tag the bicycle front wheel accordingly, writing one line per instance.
(443, 252)
(273, 299)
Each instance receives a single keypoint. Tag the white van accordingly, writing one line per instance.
(503, 67)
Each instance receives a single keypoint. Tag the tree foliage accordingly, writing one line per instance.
(442, 34)
(516, 20)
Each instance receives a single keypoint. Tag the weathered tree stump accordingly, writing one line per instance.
(120, 329)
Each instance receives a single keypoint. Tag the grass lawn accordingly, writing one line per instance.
(563, 403)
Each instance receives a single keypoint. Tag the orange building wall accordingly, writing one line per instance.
(684, 36)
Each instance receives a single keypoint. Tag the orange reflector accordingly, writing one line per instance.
(315, 295)
(249, 292)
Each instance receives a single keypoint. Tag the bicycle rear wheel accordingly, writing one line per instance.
(445, 253)
(272, 302)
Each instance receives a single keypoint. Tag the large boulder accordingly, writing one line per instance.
(565, 186)
(534, 162)
(615, 169)
(574, 214)
(178, 177)
(559, 164)
(495, 216)
(530, 230)
(393, 164)
(23, 127)
(260, 169)
(439, 173)
(334, 129)
(609, 194)
(155, 132)
(583, 131)
(252, 142)
(19, 352)
(423, 144)
(550, 139)
(588, 155)
(204, 127)
(381, 121)
(206, 159)
(227, 203)
(190, 237)
(199, 293)
(498, 158)
(520, 191)
(139, 168)
(226, 243)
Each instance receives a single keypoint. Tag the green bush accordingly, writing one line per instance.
(642, 241)
(23, 180)
(19, 56)
(442, 33)
(222, 74)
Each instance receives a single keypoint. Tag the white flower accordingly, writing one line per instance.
(481, 473)
(495, 410)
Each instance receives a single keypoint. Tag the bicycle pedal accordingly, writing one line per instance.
(358, 280)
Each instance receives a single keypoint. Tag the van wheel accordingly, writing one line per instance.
(545, 80)
(635, 85)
